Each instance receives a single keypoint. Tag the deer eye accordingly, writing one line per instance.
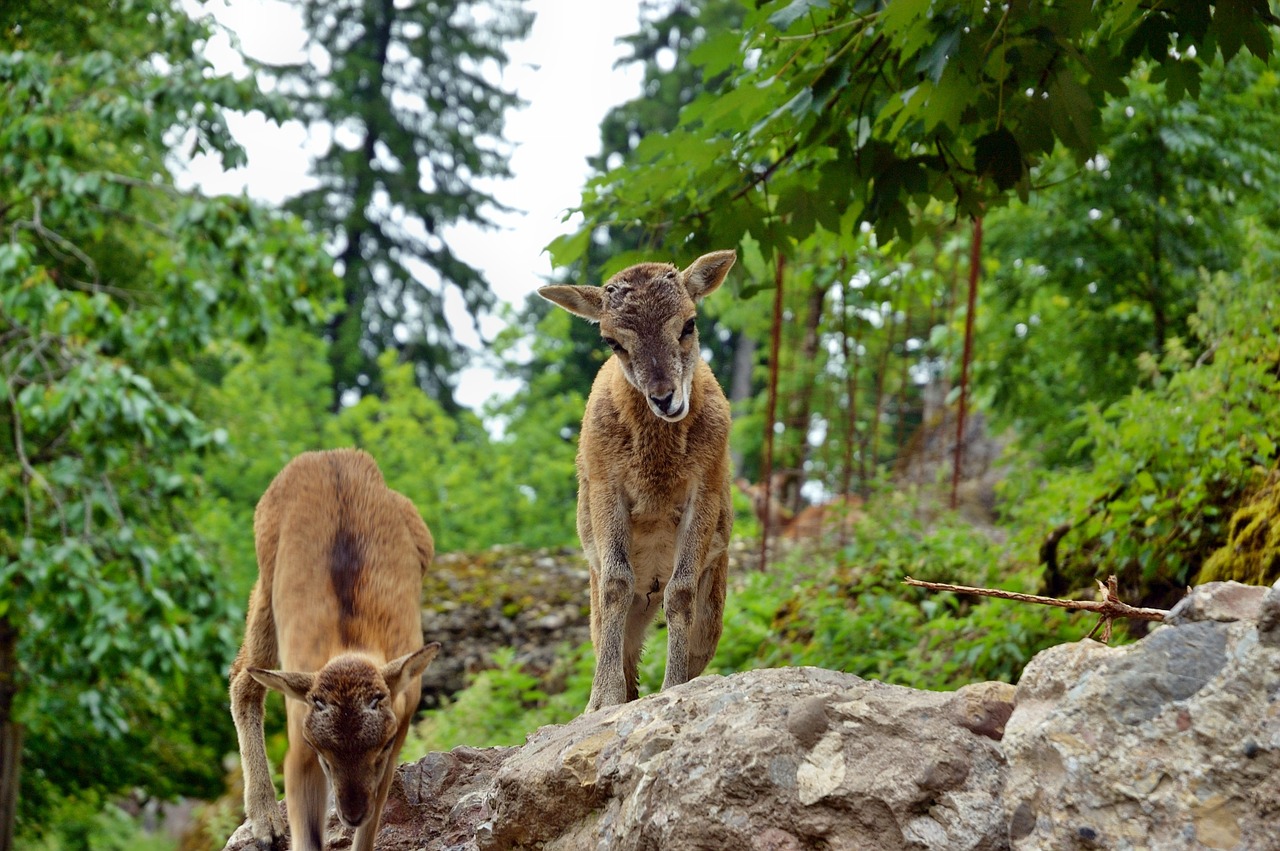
(689, 328)
(615, 345)
(318, 704)
(376, 701)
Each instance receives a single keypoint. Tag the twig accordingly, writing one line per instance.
(1108, 608)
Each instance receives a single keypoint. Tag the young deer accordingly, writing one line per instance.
(654, 504)
(336, 609)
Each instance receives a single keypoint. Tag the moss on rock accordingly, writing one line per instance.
(1252, 552)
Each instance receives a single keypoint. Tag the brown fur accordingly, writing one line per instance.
(336, 610)
(654, 505)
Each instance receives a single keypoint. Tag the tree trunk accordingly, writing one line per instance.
(744, 362)
(346, 327)
(882, 369)
(10, 734)
(801, 403)
(771, 410)
(975, 259)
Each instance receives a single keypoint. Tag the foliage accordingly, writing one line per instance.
(503, 704)
(834, 113)
(86, 824)
(116, 627)
(405, 91)
(1107, 265)
(1171, 460)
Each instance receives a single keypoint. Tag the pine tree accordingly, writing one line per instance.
(409, 93)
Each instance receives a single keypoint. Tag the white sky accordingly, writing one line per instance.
(564, 70)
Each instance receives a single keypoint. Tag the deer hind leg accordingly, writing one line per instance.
(708, 614)
(306, 791)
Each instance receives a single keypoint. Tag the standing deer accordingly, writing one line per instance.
(336, 610)
(654, 504)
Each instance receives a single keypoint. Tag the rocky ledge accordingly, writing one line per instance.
(1170, 743)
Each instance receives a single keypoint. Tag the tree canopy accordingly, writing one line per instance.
(832, 113)
(409, 97)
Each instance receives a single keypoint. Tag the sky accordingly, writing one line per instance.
(564, 71)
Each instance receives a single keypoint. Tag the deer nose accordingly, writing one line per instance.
(664, 403)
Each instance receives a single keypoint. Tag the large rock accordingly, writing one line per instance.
(1173, 742)
(775, 759)
(1170, 743)
(784, 759)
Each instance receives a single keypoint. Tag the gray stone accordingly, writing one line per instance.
(1170, 743)
(781, 758)
(1218, 601)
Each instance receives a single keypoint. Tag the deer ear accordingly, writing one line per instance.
(293, 684)
(402, 671)
(587, 302)
(707, 273)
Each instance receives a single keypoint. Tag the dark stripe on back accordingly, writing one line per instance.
(346, 559)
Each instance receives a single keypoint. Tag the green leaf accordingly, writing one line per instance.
(568, 249)
(789, 14)
(1072, 112)
(998, 155)
(900, 15)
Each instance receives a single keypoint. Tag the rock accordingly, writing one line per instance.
(437, 802)
(1269, 613)
(779, 758)
(1218, 601)
(785, 759)
(1170, 743)
(531, 601)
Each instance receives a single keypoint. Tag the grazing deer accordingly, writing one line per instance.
(654, 504)
(336, 611)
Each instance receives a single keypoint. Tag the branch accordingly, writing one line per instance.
(1108, 608)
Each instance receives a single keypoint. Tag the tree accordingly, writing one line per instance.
(114, 626)
(833, 114)
(1107, 265)
(406, 93)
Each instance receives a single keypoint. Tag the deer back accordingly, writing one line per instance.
(343, 556)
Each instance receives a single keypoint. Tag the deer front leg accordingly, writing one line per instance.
(612, 590)
(247, 697)
(691, 544)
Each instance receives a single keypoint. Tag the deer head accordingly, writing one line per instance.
(351, 721)
(647, 316)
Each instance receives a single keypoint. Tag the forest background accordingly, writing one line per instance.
(1057, 216)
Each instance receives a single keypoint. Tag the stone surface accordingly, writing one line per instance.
(532, 601)
(780, 758)
(784, 759)
(1170, 743)
(1219, 601)
(437, 803)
